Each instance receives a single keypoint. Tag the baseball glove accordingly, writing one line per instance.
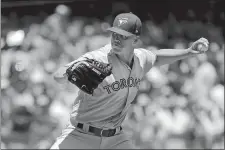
(88, 74)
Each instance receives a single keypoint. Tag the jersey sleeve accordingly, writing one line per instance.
(149, 61)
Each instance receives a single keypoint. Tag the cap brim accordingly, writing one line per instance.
(120, 31)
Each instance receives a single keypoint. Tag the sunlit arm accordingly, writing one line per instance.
(168, 56)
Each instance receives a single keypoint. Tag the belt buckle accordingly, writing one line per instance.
(101, 132)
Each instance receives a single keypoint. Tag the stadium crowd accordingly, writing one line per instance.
(178, 106)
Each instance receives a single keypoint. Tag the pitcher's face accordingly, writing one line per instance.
(120, 42)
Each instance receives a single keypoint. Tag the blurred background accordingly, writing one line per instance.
(178, 106)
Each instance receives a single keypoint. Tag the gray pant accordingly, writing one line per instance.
(75, 138)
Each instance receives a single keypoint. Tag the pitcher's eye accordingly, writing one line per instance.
(115, 35)
(124, 37)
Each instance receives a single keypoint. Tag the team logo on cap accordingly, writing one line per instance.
(122, 21)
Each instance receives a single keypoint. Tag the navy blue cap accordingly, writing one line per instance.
(126, 24)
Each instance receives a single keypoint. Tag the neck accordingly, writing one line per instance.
(126, 57)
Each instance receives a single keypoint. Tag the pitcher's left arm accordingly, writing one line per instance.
(168, 56)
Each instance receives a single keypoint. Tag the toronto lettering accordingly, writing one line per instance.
(123, 83)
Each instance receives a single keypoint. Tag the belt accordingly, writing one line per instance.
(98, 131)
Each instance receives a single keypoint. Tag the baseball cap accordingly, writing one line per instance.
(126, 24)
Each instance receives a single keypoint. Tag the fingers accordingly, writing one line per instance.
(204, 41)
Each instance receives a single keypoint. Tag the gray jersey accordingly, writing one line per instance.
(108, 105)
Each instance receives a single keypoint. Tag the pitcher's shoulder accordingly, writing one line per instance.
(145, 55)
(142, 52)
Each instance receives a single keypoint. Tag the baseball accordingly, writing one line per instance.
(201, 47)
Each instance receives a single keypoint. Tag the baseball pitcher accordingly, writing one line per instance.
(108, 80)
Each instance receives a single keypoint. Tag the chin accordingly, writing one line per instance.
(116, 49)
